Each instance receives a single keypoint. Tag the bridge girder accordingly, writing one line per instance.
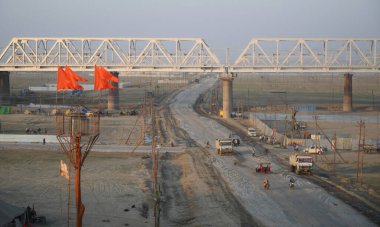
(118, 54)
(309, 55)
(190, 55)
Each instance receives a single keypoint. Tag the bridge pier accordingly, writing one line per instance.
(227, 79)
(113, 95)
(4, 87)
(347, 96)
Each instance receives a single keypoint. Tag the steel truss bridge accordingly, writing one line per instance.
(190, 55)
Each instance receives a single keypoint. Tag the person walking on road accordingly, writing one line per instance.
(266, 184)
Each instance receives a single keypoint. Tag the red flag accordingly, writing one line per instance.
(103, 79)
(68, 79)
(74, 75)
(108, 76)
(97, 81)
(74, 78)
(62, 82)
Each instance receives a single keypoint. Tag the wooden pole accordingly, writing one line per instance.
(334, 147)
(154, 165)
(153, 145)
(69, 197)
(359, 148)
(210, 105)
(78, 197)
(144, 117)
(362, 161)
(294, 112)
(286, 132)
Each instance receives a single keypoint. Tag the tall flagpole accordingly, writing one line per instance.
(100, 99)
(56, 99)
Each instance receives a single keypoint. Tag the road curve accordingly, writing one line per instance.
(308, 204)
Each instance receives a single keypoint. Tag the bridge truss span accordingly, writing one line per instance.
(309, 55)
(118, 54)
(190, 55)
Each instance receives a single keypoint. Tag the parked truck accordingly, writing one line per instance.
(300, 163)
(369, 148)
(223, 146)
(313, 149)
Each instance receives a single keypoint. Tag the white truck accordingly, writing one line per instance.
(223, 146)
(300, 163)
(251, 132)
(313, 149)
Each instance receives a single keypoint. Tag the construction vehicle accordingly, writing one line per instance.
(223, 146)
(300, 163)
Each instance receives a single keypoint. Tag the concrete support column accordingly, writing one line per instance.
(5, 90)
(347, 97)
(227, 79)
(113, 95)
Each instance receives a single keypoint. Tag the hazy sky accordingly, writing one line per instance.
(222, 23)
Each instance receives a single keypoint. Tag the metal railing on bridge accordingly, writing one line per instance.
(190, 55)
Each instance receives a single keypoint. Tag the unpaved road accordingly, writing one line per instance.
(193, 192)
(308, 204)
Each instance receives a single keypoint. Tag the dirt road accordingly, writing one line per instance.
(194, 193)
(308, 204)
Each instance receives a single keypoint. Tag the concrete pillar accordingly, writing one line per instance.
(113, 95)
(5, 90)
(227, 79)
(347, 97)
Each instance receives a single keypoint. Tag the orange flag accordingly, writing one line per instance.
(68, 79)
(74, 78)
(62, 82)
(72, 74)
(109, 75)
(99, 82)
(103, 79)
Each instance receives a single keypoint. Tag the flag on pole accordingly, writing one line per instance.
(74, 78)
(67, 79)
(103, 79)
(62, 82)
(64, 172)
(72, 74)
